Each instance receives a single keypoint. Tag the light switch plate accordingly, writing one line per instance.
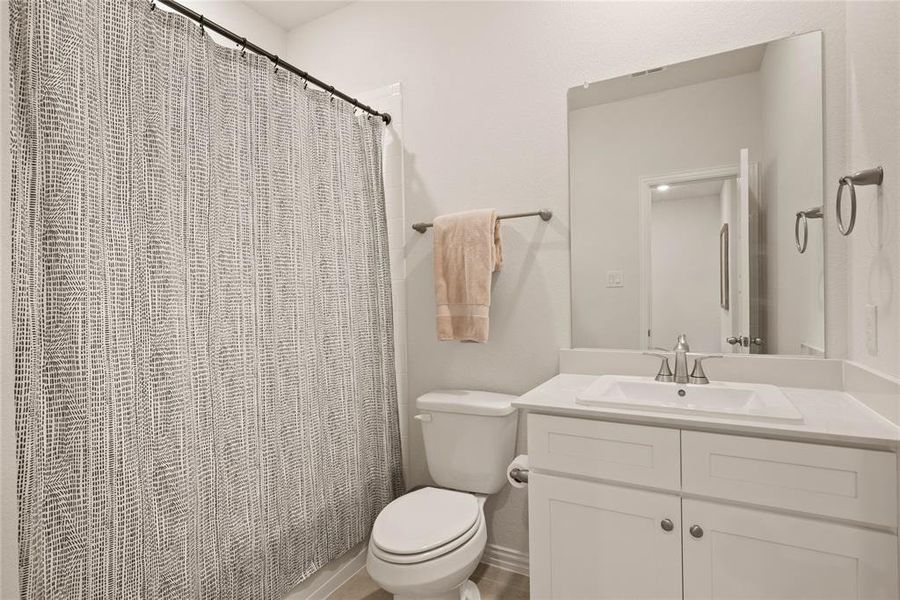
(615, 279)
(872, 329)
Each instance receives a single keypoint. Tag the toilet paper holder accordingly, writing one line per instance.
(519, 474)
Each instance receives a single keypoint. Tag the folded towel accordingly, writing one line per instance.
(466, 251)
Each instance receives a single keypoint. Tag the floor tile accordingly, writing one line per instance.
(493, 582)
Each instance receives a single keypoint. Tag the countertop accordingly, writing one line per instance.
(829, 417)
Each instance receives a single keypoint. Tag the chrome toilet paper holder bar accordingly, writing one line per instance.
(518, 474)
(865, 177)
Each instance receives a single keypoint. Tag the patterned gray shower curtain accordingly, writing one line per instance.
(205, 393)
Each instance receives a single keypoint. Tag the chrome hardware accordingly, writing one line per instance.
(697, 375)
(744, 341)
(696, 531)
(665, 373)
(804, 216)
(519, 475)
(681, 349)
(667, 524)
(543, 213)
(865, 177)
(424, 417)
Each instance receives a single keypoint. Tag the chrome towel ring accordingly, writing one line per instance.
(804, 216)
(865, 177)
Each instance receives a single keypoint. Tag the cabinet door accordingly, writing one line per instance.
(747, 553)
(592, 541)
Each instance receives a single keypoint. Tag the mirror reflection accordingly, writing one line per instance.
(696, 194)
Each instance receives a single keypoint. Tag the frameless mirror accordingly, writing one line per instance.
(696, 193)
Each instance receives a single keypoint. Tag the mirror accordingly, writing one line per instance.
(693, 189)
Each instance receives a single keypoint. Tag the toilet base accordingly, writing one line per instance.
(467, 591)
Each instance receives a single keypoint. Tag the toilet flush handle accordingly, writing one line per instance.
(424, 417)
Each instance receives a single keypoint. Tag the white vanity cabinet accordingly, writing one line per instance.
(632, 511)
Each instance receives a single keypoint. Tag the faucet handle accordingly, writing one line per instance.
(664, 373)
(697, 374)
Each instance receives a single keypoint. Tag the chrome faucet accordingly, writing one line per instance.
(681, 349)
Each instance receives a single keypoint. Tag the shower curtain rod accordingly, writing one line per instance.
(247, 45)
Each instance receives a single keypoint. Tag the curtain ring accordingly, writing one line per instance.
(202, 28)
(846, 181)
(243, 47)
(275, 60)
(331, 91)
(152, 5)
(801, 247)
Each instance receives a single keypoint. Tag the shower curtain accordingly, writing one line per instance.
(205, 393)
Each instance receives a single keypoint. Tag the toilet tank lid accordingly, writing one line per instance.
(468, 402)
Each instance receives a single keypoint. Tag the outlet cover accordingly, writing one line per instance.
(872, 329)
(615, 279)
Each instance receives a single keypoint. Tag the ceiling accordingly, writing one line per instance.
(717, 66)
(293, 13)
(691, 189)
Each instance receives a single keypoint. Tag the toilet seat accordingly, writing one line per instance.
(424, 525)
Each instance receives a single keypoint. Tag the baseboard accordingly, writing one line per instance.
(505, 558)
(330, 577)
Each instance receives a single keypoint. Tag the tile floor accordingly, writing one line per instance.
(494, 583)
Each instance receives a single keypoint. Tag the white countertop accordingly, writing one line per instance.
(829, 417)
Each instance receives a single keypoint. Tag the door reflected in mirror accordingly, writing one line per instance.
(685, 186)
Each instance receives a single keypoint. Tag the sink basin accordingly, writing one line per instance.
(754, 401)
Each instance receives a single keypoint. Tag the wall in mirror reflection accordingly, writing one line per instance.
(685, 184)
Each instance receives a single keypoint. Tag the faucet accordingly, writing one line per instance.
(681, 349)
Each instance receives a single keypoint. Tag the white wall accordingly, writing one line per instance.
(873, 73)
(684, 282)
(242, 20)
(484, 92)
(791, 81)
(611, 147)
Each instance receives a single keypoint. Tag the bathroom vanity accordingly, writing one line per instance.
(650, 502)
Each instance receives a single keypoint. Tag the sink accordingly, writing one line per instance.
(753, 401)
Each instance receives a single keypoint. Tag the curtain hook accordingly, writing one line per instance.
(276, 63)
(331, 91)
(202, 19)
(152, 5)
(243, 47)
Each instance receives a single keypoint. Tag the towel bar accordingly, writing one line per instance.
(544, 214)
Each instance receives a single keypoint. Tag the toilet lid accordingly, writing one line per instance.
(424, 520)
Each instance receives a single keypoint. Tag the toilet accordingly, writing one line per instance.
(426, 544)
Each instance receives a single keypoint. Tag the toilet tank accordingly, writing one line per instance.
(470, 438)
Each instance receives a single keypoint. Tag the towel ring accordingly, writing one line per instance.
(865, 177)
(804, 216)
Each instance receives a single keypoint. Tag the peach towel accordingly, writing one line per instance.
(466, 251)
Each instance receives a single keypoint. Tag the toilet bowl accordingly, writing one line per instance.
(426, 544)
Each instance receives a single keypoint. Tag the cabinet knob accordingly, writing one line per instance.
(696, 531)
(667, 524)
